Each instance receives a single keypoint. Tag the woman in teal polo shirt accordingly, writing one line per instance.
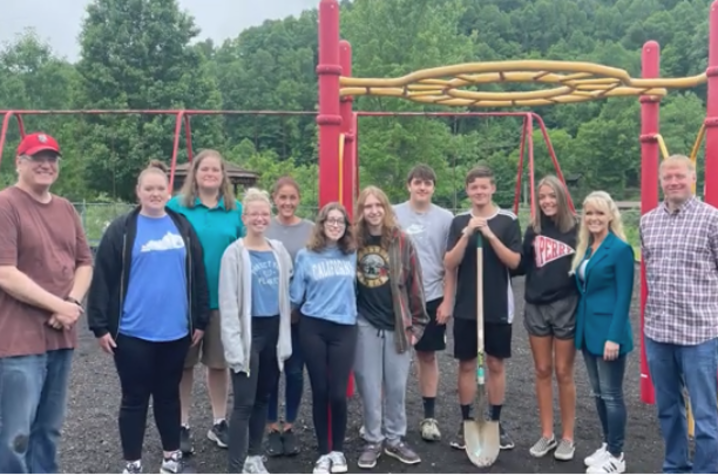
(208, 202)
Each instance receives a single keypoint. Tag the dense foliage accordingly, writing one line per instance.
(144, 54)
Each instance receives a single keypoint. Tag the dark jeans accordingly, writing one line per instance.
(33, 396)
(148, 368)
(251, 393)
(606, 378)
(674, 368)
(293, 384)
(329, 349)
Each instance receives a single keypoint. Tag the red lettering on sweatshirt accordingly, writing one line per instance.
(548, 250)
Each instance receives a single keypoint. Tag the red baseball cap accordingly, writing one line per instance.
(36, 143)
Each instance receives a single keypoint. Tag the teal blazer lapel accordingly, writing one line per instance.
(601, 253)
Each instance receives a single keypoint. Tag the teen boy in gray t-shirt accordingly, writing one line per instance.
(428, 226)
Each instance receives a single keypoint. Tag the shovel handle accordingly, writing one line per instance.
(479, 309)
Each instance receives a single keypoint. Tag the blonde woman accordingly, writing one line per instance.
(208, 202)
(604, 268)
(550, 311)
(255, 316)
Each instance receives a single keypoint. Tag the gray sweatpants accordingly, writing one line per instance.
(378, 366)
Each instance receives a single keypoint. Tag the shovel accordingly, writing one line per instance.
(481, 436)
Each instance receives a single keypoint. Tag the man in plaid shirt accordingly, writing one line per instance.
(679, 241)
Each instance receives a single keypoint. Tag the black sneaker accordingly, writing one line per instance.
(186, 441)
(289, 440)
(505, 440)
(219, 434)
(275, 446)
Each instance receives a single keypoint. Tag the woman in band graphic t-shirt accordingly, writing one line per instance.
(388, 280)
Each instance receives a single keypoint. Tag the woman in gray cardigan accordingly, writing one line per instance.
(255, 325)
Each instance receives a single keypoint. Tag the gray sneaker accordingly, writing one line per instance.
(219, 434)
(369, 455)
(402, 452)
(458, 441)
(543, 446)
(565, 450)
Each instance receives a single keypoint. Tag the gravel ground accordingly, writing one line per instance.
(91, 443)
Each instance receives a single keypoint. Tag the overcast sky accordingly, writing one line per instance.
(59, 21)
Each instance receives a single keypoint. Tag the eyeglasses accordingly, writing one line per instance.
(339, 223)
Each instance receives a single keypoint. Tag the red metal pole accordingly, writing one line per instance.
(532, 177)
(349, 165)
(650, 66)
(554, 159)
(711, 122)
(329, 119)
(8, 115)
(520, 168)
(355, 121)
(175, 147)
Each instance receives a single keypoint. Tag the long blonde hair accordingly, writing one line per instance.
(389, 223)
(601, 201)
(565, 219)
(190, 189)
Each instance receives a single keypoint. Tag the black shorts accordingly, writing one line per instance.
(557, 319)
(434, 337)
(497, 339)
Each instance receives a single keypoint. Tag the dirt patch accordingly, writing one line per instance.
(90, 442)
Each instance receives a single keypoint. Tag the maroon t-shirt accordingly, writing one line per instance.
(46, 242)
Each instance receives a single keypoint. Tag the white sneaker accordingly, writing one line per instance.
(339, 462)
(610, 465)
(254, 464)
(323, 465)
(597, 457)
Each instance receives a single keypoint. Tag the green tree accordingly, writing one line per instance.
(136, 54)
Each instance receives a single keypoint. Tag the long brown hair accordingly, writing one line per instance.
(318, 239)
(565, 219)
(389, 224)
(190, 190)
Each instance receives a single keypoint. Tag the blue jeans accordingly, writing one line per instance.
(33, 394)
(606, 378)
(673, 368)
(294, 384)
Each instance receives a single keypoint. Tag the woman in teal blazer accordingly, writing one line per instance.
(604, 270)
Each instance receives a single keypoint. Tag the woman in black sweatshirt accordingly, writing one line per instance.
(550, 311)
(148, 302)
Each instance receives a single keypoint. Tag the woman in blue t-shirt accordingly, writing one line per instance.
(148, 303)
(324, 289)
(207, 201)
(255, 317)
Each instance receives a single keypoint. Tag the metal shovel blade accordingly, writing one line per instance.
(482, 442)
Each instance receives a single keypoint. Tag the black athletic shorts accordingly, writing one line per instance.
(497, 339)
(434, 337)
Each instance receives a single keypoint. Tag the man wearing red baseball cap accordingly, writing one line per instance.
(45, 271)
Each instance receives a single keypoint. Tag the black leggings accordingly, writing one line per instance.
(328, 349)
(251, 393)
(148, 368)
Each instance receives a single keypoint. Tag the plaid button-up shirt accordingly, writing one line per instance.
(680, 252)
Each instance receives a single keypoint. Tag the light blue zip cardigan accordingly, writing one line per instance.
(235, 304)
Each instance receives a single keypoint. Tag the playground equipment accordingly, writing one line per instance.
(584, 82)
